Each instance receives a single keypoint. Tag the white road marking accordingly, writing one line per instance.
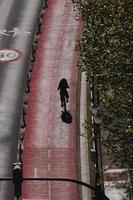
(9, 55)
(4, 32)
(49, 153)
(49, 167)
(35, 173)
(14, 32)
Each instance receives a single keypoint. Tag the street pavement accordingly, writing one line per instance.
(50, 144)
(18, 20)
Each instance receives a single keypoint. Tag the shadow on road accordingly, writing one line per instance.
(66, 116)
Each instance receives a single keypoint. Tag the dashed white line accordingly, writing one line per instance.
(35, 173)
(49, 167)
(49, 153)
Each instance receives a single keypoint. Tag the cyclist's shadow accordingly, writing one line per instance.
(64, 96)
(66, 116)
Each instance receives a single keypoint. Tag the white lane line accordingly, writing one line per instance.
(49, 167)
(35, 173)
(49, 153)
(49, 156)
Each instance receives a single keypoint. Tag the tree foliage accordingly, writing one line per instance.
(106, 48)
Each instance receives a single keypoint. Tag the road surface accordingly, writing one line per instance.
(18, 21)
(51, 145)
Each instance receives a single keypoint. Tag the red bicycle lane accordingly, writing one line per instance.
(50, 145)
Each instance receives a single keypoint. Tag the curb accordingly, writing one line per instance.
(84, 146)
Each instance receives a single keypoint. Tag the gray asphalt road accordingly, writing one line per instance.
(18, 21)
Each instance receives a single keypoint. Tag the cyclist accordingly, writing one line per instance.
(64, 96)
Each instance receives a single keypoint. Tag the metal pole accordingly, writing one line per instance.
(98, 191)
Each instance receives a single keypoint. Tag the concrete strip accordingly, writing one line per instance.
(84, 154)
